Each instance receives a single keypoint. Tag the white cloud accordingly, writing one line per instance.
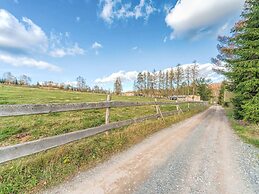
(107, 11)
(78, 19)
(23, 37)
(20, 61)
(60, 45)
(115, 9)
(72, 51)
(136, 49)
(67, 34)
(192, 16)
(205, 70)
(20, 36)
(165, 39)
(96, 46)
(125, 76)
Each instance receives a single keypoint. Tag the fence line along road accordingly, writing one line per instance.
(12, 152)
(29, 109)
(24, 149)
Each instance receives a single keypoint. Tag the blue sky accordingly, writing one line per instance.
(102, 39)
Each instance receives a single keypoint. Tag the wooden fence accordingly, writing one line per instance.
(11, 152)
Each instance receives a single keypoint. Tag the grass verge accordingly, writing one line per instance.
(248, 132)
(45, 169)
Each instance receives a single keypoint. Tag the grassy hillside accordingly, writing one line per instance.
(25, 95)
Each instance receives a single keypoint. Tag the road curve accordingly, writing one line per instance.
(198, 155)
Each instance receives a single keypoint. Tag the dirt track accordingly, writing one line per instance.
(198, 155)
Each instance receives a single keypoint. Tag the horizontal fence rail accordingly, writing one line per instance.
(12, 152)
(29, 109)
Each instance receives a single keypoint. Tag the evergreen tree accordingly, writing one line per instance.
(154, 82)
(179, 75)
(167, 82)
(188, 78)
(203, 89)
(194, 76)
(160, 81)
(145, 82)
(221, 93)
(140, 83)
(239, 55)
(171, 79)
(149, 83)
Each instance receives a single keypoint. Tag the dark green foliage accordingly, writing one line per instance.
(203, 89)
(251, 108)
(240, 56)
(221, 93)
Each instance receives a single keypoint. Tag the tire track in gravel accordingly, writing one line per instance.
(206, 162)
(131, 167)
(198, 155)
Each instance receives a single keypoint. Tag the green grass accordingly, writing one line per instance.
(19, 129)
(45, 169)
(25, 95)
(42, 170)
(248, 132)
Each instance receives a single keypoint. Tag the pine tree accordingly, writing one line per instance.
(171, 80)
(154, 81)
(179, 75)
(145, 82)
(160, 82)
(203, 89)
(149, 83)
(188, 78)
(140, 83)
(221, 93)
(239, 55)
(194, 76)
(167, 82)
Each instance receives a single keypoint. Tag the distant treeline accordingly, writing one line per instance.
(177, 81)
(24, 80)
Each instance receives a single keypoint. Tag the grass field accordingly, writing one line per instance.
(25, 95)
(38, 171)
(18, 129)
(248, 132)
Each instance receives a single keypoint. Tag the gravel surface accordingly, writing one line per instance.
(198, 155)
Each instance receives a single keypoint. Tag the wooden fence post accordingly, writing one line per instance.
(157, 108)
(107, 114)
(158, 111)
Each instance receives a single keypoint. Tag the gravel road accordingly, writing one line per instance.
(198, 155)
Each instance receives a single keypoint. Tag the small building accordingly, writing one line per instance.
(185, 98)
(128, 94)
